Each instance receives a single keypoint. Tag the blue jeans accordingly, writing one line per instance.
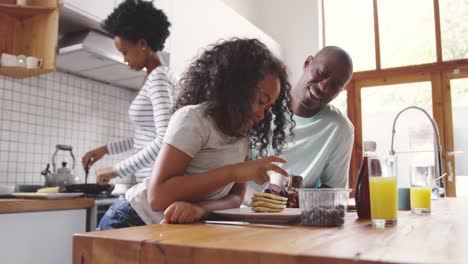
(121, 214)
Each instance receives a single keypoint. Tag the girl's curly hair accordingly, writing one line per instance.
(225, 76)
(136, 19)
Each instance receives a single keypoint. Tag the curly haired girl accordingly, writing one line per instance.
(230, 97)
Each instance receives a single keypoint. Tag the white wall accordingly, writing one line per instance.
(196, 24)
(246, 8)
(294, 24)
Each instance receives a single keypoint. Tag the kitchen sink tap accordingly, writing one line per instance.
(439, 190)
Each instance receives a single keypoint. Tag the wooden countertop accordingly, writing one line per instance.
(16, 205)
(441, 237)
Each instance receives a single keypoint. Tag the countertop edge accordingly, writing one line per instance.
(17, 205)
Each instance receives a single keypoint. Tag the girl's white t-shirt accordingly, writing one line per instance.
(194, 132)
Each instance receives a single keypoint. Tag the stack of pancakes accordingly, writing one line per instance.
(268, 203)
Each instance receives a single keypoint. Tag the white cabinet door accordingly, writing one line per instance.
(98, 10)
(40, 237)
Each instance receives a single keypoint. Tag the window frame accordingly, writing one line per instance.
(438, 73)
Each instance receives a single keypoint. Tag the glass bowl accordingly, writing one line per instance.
(323, 197)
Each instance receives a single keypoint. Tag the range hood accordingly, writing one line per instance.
(92, 54)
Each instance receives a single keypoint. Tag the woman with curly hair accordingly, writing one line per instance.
(229, 98)
(139, 31)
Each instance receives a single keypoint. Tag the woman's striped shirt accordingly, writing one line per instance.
(149, 113)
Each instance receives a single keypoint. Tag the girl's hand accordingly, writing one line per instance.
(183, 213)
(256, 170)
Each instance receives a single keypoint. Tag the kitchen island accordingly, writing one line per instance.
(441, 237)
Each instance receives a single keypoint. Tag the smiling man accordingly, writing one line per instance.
(320, 151)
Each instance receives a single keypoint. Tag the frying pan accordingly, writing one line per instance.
(90, 188)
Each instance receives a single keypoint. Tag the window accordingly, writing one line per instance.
(407, 35)
(340, 102)
(459, 91)
(454, 30)
(414, 134)
(405, 52)
(352, 31)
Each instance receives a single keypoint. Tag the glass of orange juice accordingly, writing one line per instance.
(383, 190)
(421, 189)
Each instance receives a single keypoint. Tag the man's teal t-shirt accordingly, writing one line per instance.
(320, 151)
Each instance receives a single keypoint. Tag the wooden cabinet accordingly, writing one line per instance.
(30, 30)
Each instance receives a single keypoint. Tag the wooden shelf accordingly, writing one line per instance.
(29, 30)
(24, 11)
(20, 72)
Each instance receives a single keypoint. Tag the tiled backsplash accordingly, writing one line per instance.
(58, 108)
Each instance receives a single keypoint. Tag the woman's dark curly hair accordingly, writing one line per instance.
(136, 19)
(225, 76)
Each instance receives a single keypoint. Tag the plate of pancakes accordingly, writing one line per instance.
(266, 207)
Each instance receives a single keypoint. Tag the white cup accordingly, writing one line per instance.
(21, 61)
(33, 62)
(8, 60)
(21, 2)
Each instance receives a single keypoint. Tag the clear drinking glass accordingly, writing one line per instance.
(421, 189)
(383, 190)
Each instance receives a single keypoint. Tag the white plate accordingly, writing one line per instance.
(246, 214)
(47, 195)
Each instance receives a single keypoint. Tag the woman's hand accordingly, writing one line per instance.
(92, 156)
(183, 213)
(104, 175)
(256, 170)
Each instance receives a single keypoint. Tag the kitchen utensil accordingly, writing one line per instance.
(436, 179)
(8, 60)
(421, 189)
(28, 187)
(21, 61)
(242, 223)
(33, 62)
(323, 197)
(50, 196)
(404, 199)
(5, 189)
(382, 172)
(60, 176)
(246, 214)
(90, 188)
(86, 170)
